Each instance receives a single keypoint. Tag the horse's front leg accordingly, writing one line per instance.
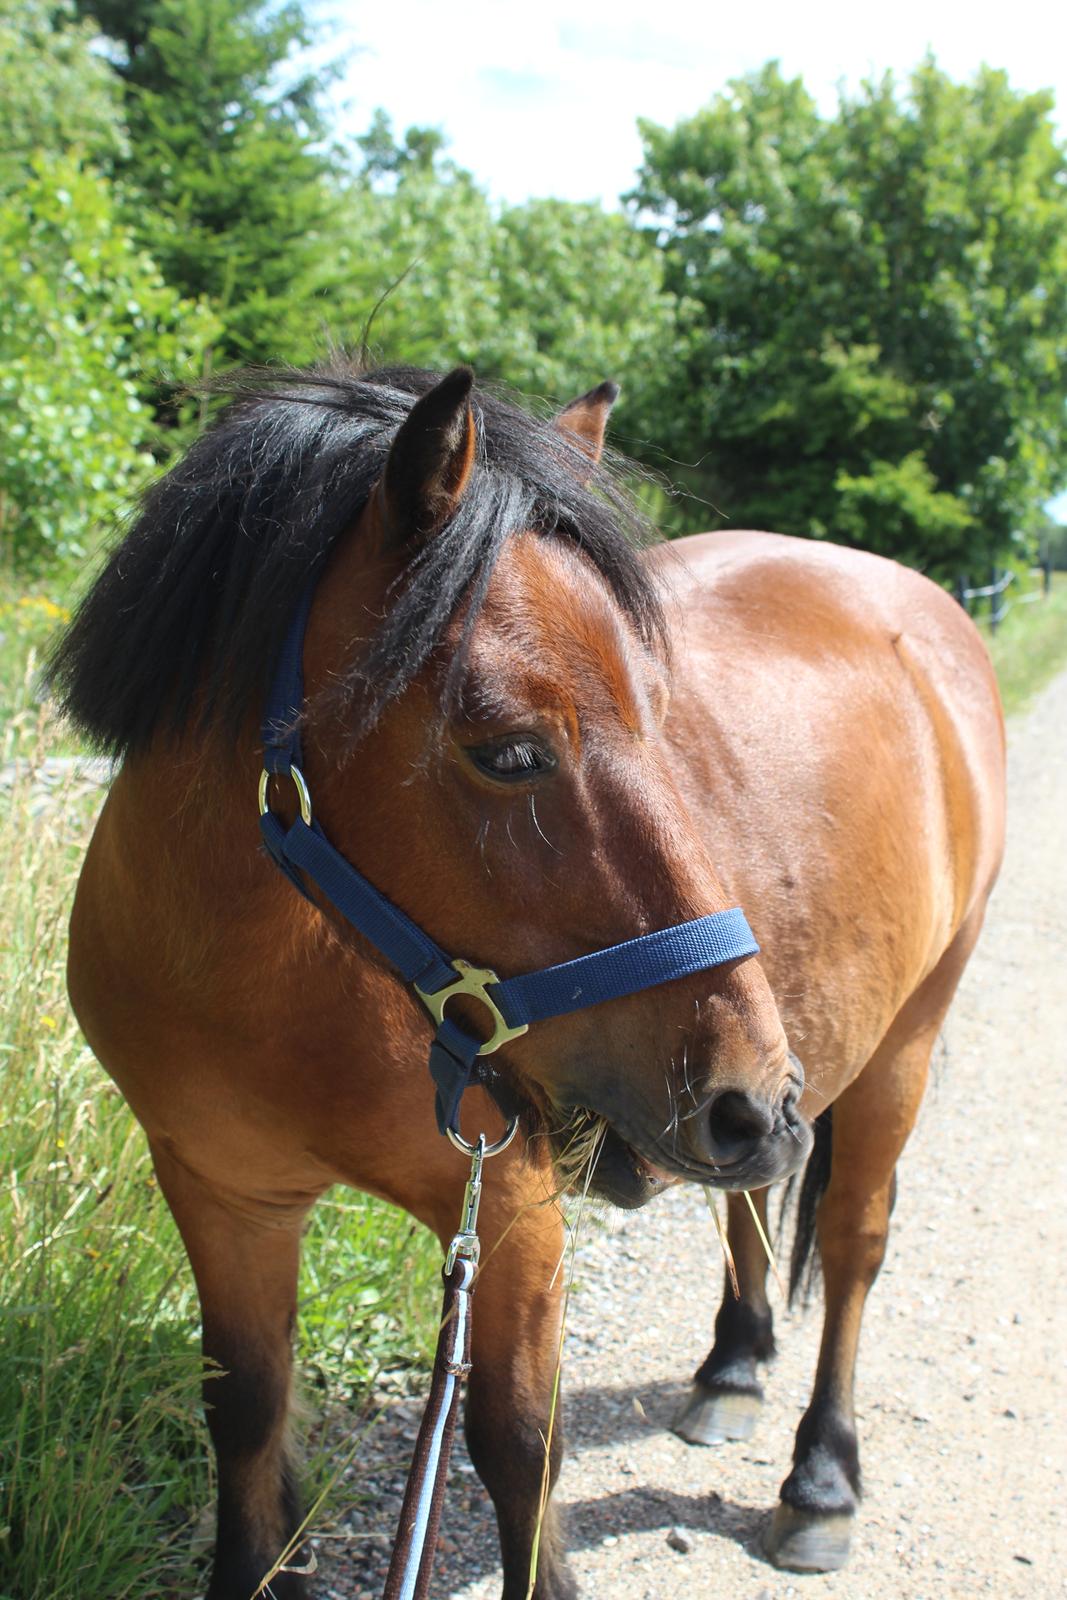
(872, 1119)
(812, 1526)
(516, 1316)
(726, 1395)
(245, 1255)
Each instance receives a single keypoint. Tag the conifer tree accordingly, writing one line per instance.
(228, 176)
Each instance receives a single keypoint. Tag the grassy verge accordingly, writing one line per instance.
(1030, 646)
(105, 1476)
(29, 617)
(102, 1450)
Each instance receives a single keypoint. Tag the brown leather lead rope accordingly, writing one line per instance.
(420, 1516)
(416, 1536)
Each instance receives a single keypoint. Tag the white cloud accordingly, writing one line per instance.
(543, 99)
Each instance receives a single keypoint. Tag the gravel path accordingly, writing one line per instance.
(69, 774)
(963, 1424)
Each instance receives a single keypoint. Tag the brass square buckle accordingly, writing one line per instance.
(473, 981)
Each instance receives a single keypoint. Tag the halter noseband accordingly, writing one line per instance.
(305, 855)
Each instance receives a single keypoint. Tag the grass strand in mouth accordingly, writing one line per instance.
(764, 1241)
(575, 1161)
(586, 1145)
(727, 1253)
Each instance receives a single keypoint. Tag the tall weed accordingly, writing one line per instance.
(102, 1457)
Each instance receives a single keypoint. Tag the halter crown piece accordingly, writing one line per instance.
(307, 857)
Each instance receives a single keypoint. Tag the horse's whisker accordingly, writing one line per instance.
(541, 831)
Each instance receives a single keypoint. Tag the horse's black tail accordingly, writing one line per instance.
(813, 1184)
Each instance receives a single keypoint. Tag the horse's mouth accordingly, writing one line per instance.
(623, 1175)
(590, 1156)
(593, 1154)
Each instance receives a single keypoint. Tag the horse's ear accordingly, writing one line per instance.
(430, 460)
(586, 418)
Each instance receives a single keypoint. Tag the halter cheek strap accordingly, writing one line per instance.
(306, 856)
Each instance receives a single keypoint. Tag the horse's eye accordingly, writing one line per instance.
(516, 759)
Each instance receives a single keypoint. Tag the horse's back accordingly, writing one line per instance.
(826, 611)
(817, 585)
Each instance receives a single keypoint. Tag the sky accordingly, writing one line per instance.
(542, 98)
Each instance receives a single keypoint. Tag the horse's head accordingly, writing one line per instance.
(517, 798)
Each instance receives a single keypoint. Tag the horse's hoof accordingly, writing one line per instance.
(805, 1541)
(712, 1416)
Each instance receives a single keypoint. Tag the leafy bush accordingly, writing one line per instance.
(86, 327)
(57, 92)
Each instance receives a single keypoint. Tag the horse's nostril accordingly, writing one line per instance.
(736, 1119)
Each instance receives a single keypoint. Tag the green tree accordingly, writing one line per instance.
(550, 297)
(874, 309)
(384, 158)
(227, 178)
(416, 262)
(582, 298)
(1052, 544)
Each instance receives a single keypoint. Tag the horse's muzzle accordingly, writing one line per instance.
(749, 1141)
(739, 1139)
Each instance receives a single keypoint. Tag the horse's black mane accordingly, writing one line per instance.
(192, 606)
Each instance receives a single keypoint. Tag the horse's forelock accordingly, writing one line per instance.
(190, 610)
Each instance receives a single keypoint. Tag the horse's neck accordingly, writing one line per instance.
(184, 817)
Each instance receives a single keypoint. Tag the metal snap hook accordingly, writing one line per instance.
(465, 1245)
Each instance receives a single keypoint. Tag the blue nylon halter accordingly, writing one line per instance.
(305, 855)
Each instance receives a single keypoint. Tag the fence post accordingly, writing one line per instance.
(1046, 567)
(994, 616)
(961, 591)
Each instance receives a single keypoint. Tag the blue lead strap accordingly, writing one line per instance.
(306, 856)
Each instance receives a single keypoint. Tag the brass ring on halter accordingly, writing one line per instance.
(493, 1149)
(303, 793)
